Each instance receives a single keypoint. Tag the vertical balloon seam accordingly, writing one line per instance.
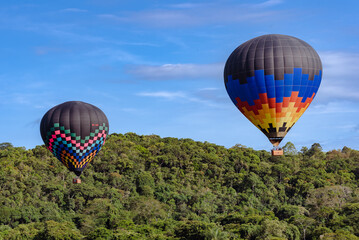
(271, 79)
(264, 99)
(257, 84)
(305, 76)
(91, 109)
(279, 83)
(282, 126)
(289, 86)
(250, 81)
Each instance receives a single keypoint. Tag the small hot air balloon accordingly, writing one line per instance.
(272, 79)
(74, 132)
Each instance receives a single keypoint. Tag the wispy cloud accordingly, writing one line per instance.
(210, 97)
(130, 110)
(214, 95)
(340, 64)
(189, 14)
(176, 71)
(43, 50)
(332, 92)
(115, 55)
(333, 107)
(73, 10)
(28, 100)
(348, 127)
(163, 94)
(111, 17)
(268, 3)
(186, 5)
(67, 32)
(340, 79)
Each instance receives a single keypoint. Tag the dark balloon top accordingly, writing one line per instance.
(276, 54)
(82, 118)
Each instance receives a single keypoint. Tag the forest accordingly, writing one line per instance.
(148, 187)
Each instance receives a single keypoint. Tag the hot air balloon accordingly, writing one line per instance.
(272, 79)
(74, 132)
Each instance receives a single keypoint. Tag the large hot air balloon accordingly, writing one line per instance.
(272, 79)
(74, 132)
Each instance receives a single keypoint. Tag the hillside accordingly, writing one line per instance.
(147, 187)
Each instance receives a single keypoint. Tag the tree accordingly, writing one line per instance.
(303, 223)
(148, 210)
(193, 230)
(5, 145)
(216, 233)
(330, 196)
(100, 233)
(339, 235)
(289, 149)
(315, 149)
(60, 231)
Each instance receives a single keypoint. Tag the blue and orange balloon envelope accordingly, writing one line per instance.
(74, 132)
(272, 79)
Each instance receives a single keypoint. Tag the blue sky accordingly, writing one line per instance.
(156, 67)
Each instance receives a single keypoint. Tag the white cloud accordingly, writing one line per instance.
(186, 5)
(331, 91)
(115, 55)
(163, 94)
(130, 110)
(210, 97)
(111, 17)
(73, 10)
(333, 107)
(62, 30)
(340, 76)
(176, 71)
(268, 3)
(189, 14)
(66, 31)
(214, 95)
(340, 64)
(43, 50)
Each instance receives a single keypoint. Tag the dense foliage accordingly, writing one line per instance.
(147, 187)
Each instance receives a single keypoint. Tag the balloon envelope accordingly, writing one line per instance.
(74, 132)
(272, 79)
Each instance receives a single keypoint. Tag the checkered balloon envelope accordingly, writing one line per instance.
(74, 132)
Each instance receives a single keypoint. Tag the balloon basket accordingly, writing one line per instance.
(277, 152)
(76, 180)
